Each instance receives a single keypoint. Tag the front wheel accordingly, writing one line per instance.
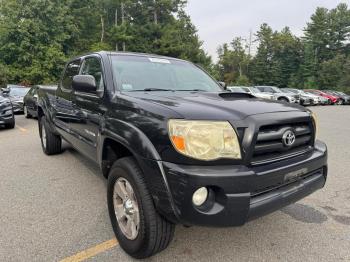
(11, 125)
(51, 143)
(285, 100)
(26, 113)
(140, 230)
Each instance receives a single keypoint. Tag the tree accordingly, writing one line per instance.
(3, 76)
(233, 62)
(331, 71)
(262, 62)
(37, 36)
(326, 37)
(33, 38)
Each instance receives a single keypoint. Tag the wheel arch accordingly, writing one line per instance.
(114, 146)
(283, 98)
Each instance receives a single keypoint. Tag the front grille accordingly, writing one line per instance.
(269, 146)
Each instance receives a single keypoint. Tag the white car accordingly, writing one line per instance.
(281, 96)
(304, 96)
(252, 91)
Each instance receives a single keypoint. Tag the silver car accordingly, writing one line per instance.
(305, 98)
(279, 94)
(251, 90)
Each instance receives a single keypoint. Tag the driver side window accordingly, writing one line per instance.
(92, 66)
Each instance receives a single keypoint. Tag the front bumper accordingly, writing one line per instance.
(240, 193)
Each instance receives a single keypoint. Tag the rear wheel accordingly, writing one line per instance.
(51, 143)
(140, 230)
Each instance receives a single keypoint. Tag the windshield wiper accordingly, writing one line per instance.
(192, 90)
(154, 89)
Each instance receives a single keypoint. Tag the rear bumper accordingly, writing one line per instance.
(6, 117)
(6, 121)
(240, 193)
(17, 107)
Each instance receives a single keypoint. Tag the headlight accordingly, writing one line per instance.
(204, 140)
(315, 122)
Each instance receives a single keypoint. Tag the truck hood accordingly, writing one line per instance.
(214, 106)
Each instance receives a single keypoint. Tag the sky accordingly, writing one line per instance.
(219, 21)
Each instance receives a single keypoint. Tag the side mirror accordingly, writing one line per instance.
(223, 84)
(84, 83)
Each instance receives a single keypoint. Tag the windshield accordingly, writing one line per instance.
(237, 89)
(138, 73)
(255, 90)
(276, 89)
(293, 91)
(19, 91)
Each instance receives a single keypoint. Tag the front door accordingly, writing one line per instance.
(90, 107)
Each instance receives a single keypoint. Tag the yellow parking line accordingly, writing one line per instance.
(21, 128)
(93, 251)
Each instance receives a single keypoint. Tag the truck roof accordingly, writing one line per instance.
(129, 54)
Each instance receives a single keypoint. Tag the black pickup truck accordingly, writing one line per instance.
(177, 148)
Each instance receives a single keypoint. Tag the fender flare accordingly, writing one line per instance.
(140, 146)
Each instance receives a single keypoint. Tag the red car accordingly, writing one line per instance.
(333, 99)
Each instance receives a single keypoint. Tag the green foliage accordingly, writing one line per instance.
(38, 36)
(3, 76)
(233, 62)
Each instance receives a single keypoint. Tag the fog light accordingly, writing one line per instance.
(200, 196)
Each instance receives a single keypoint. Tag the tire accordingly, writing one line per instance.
(26, 113)
(50, 143)
(283, 100)
(341, 102)
(154, 233)
(11, 125)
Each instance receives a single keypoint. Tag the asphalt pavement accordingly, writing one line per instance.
(54, 208)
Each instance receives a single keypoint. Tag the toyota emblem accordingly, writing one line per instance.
(288, 138)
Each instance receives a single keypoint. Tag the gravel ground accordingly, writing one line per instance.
(54, 207)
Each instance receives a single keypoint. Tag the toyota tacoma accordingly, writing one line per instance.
(177, 148)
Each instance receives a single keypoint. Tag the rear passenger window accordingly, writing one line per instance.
(72, 69)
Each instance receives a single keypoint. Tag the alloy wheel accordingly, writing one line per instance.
(126, 208)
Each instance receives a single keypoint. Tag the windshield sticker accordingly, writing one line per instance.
(159, 60)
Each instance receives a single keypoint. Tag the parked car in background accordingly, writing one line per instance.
(16, 95)
(344, 99)
(333, 99)
(279, 94)
(30, 103)
(30, 106)
(7, 116)
(323, 100)
(305, 99)
(252, 91)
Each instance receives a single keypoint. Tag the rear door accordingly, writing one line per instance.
(90, 107)
(31, 100)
